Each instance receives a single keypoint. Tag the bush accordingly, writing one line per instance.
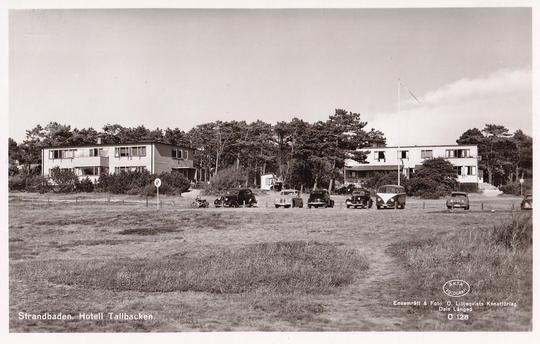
(30, 183)
(120, 183)
(65, 180)
(468, 187)
(16, 183)
(510, 188)
(173, 183)
(142, 183)
(226, 179)
(85, 185)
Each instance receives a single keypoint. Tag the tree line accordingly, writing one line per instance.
(300, 153)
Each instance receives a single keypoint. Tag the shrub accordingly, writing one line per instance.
(16, 182)
(226, 179)
(120, 183)
(468, 187)
(37, 183)
(85, 185)
(30, 183)
(65, 180)
(142, 183)
(173, 183)
(510, 188)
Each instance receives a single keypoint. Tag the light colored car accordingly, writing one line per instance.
(391, 197)
(289, 199)
(458, 200)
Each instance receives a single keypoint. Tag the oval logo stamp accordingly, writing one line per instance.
(456, 288)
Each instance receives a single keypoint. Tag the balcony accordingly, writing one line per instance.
(87, 161)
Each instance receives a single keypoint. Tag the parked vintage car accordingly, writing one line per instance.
(390, 197)
(458, 200)
(526, 203)
(236, 198)
(289, 198)
(320, 198)
(360, 198)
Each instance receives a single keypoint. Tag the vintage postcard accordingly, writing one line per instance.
(270, 169)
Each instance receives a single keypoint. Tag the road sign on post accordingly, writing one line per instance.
(157, 184)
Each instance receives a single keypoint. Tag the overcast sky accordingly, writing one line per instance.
(179, 68)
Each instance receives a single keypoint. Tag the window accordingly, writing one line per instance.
(138, 151)
(178, 154)
(89, 171)
(471, 170)
(426, 154)
(380, 156)
(458, 170)
(62, 153)
(403, 154)
(121, 152)
(94, 152)
(119, 169)
(458, 153)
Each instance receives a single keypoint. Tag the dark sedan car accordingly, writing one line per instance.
(458, 200)
(320, 198)
(360, 198)
(526, 203)
(236, 198)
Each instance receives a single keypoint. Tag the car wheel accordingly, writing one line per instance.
(379, 207)
(466, 208)
(309, 206)
(277, 206)
(348, 206)
(403, 206)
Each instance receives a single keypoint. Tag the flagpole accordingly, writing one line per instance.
(398, 135)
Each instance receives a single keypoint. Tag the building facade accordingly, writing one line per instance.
(92, 160)
(380, 159)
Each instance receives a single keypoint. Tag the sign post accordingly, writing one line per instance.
(157, 184)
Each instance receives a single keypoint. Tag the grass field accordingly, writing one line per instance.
(261, 269)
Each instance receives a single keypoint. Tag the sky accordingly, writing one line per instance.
(180, 68)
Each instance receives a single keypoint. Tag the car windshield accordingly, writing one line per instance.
(318, 192)
(359, 193)
(528, 197)
(288, 192)
(391, 189)
(459, 195)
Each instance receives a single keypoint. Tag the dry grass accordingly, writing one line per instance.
(496, 261)
(255, 269)
(282, 267)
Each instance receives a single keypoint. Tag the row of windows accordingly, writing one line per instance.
(179, 153)
(426, 154)
(466, 170)
(119, 169)
(130, 151)
(62, 153)
(118, 152)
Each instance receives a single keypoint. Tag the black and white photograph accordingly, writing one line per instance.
(259, 170)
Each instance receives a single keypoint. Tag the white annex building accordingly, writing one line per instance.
(464, 157)
(92, 160)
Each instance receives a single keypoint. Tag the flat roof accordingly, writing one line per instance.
(117, 144)
(422, 146)
(368, 167)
